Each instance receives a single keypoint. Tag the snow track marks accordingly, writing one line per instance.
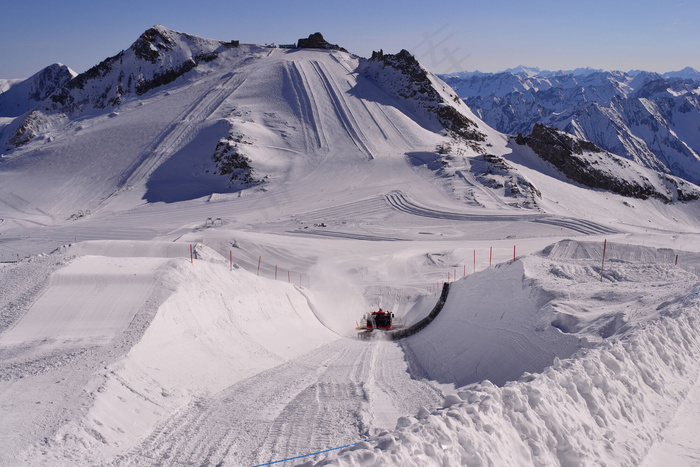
(400, 202)
(180, 131)
(337, 394)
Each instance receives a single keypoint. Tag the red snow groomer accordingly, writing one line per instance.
(372, 320)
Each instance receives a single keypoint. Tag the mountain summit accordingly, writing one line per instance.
(22, 96)
(177, 117)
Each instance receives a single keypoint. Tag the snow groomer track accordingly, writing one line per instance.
(400, 202)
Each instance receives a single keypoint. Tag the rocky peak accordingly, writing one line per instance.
(409, 67)
(48, 80)
(556, 143)
(316, 41)
(152, 42)
(24, 95)
(401, 74)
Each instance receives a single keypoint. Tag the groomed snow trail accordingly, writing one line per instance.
(338, 394)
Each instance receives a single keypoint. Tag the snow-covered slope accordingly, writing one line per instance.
(175, 117)
(618, 396)
(584, 163)
(649, 118)
(183, 269)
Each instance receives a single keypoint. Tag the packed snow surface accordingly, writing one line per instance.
(154, 312)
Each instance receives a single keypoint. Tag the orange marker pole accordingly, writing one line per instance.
(191, 256)
(259, 261)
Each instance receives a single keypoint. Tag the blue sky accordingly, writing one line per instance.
(446, 36)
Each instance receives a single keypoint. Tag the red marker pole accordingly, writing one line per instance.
(259, 261)
(191, 255)
(275, 272)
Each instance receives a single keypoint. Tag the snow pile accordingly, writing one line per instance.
(604, 405)
(217, 327)
(491, 327)
(637, 335)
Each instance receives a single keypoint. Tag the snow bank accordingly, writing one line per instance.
(128, 249)
(218, 327)
(86, 303)
(606, 405)
(490, 328)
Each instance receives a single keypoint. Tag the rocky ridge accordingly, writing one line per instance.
(585, 163)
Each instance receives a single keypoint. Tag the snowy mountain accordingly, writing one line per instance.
(191, 230)
(177, 117)
(583, 162)
(20, 96)
(646, 117)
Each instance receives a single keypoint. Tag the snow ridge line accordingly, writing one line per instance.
(559, 417)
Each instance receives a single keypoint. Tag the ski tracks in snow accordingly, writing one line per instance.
(342, 110)
(401, 202)
(180, 130)
(337, 394)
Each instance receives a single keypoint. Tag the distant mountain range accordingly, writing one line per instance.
(650, 118)
(535, 72)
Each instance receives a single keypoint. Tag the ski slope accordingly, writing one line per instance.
(160, 316)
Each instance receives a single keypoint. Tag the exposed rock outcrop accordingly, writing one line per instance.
(585, 163)
(412, 82)
(316, 41)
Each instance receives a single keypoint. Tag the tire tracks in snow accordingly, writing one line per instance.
(342, 110)
(402, 203)
(180, 130)
(308, 109)
(326, 398)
